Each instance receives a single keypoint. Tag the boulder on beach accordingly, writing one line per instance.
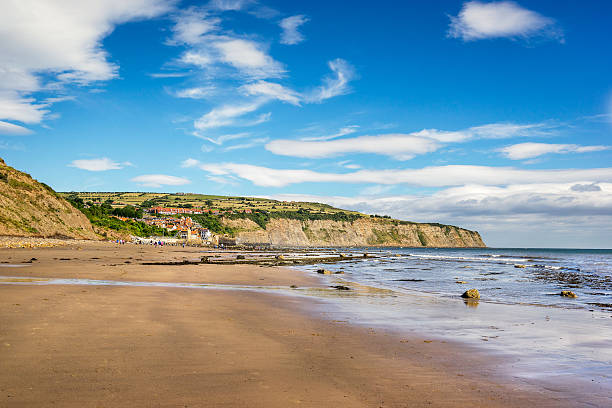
(280, 257)
(520, 266)
(471, 294)
(324, 272)
(568, 293)
(461, 282)
(240, 257)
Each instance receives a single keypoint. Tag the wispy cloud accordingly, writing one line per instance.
(159, 180)
(398, 146)
(7, 128)
(435, 176)
(522, 151)
(101, 164)
(335, 84)
(290, 25)
(401, 146)
(501, 19)
(347, 130)
(219, 140)
(251, 143)
(168, 74)
(230, 5)
(273, 91)
(195, 93)
(225, 115)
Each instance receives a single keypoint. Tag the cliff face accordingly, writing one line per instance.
(361, 232)
(31, 209)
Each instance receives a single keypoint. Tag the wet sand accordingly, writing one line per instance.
(92, 346)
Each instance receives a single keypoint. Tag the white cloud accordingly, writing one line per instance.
(159, 180)
(488, 131)
(190, 163)
(251, 143)
(248, 57)
(195, 93)
(58, 42)
(225, 115)
(530, 150)
(290, 25)
(478, 20)
(229, 5)
(273, 91)
(191, 25)
(335, 84)
(347, 130)
(12, 129)
(102, 164)
(200, 59)
(219, 140)
(398, 146)
(435, 176)
(209, 47)
(168, 74)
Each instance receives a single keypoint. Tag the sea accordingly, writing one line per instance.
(502, 275)
(547, 340)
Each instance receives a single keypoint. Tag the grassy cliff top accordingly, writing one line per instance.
(223, 203)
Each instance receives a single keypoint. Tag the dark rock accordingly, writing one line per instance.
(240, 257)
(340, 287)
(568, 293)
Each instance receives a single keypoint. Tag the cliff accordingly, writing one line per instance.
(32, 209)
(361, 232)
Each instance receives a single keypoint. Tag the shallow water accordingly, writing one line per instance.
(549, 341)
(531, 276)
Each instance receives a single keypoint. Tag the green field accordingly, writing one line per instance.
(223, 203)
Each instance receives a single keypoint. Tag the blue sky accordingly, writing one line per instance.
(494, 116)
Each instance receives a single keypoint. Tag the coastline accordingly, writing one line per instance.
(80, 345)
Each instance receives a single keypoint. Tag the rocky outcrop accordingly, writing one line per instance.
(359, 233)
(32, 209)
(471, 294)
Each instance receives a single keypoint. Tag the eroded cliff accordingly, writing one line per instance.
(361, 232)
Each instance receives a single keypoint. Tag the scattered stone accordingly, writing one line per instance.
(366, 255)
(340, 287)
(324, 272)
(293, 287)
(280, 257)
(461, 282)
(568, 293)
(240, 257)
(471, 294)
(520, 266)
(409, 280)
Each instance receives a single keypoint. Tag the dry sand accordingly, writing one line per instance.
(109, 346)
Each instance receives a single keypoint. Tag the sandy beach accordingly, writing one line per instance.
(115, 346)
